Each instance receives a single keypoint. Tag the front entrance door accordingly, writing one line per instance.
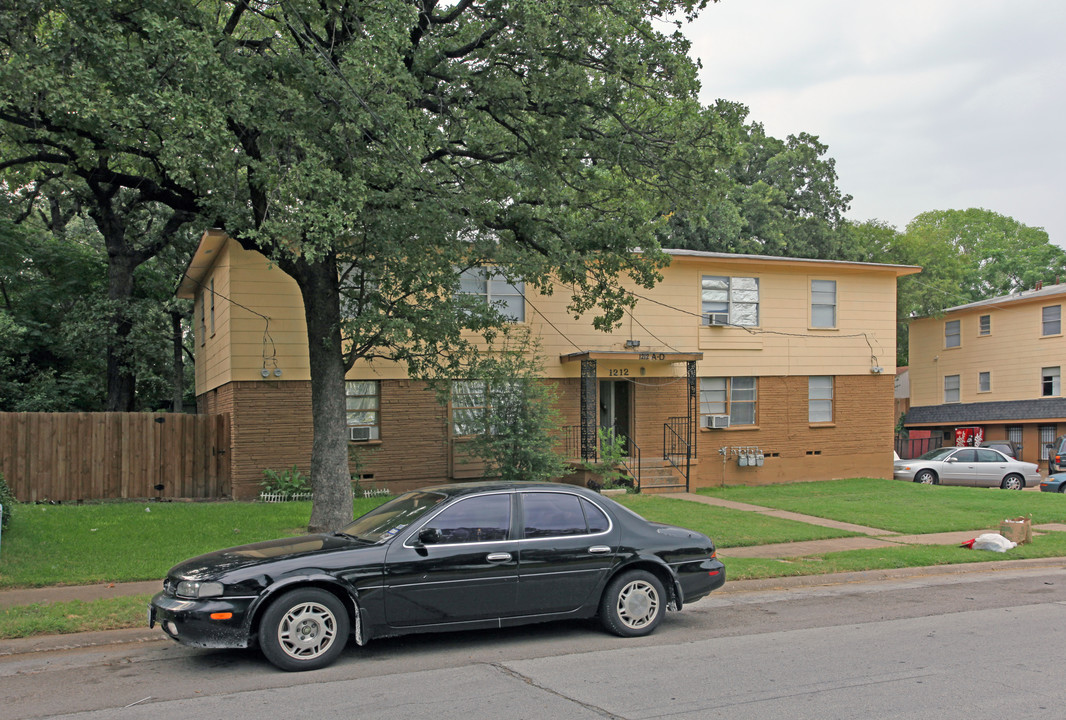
(614, 406)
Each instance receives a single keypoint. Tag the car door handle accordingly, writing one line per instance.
(599, 549)
(498, 557)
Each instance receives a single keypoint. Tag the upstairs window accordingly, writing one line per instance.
(508, 298)
(1051, 320)
(984, 382)
(984, 325)
(1049, 382)
(733, 299)
(823, 303)
(951, 388)
(952, 334)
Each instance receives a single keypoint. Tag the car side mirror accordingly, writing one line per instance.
(951, 459)
(429, 536)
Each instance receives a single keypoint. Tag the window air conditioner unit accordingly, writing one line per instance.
(358, 434)
(716, 421)
(717, 318)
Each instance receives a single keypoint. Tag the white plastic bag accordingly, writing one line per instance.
(994, 542)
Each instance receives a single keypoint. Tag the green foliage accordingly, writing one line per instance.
(783, 200)
(513, 434)
(7, 499)
(285, 483)
(609, 462)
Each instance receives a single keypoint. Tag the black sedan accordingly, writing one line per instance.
(456, 557)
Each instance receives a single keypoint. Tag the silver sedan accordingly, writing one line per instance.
(976, 467)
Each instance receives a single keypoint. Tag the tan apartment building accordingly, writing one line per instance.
(991, 370)
(736, 369)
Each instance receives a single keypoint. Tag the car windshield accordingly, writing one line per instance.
(385, 521)
(938, 454)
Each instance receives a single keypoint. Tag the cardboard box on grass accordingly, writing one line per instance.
(1019, 530)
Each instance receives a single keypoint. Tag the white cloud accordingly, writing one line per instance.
(924, 105)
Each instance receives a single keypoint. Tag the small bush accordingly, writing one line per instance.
(7, 499)
(285, 483)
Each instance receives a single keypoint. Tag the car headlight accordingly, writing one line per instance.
(197, 589)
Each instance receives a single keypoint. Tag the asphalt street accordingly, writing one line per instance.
(952, 645)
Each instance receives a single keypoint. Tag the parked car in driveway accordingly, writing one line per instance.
(476, 555)
(1007, 447)
(1056, 455)
(976, 467)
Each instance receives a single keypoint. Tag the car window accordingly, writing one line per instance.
(937, 454)
(966, 455)
(597, 520)
(386, 520)
(485, 518)
(552, 515)
(990, 456)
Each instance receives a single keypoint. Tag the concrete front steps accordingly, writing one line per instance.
(658, 477)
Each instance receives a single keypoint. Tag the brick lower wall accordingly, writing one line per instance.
(271, 428)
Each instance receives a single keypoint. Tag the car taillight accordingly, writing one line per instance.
(1058, 459)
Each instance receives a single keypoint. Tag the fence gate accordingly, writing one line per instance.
(101, 456)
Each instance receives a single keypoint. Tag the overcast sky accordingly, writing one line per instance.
(924, 104)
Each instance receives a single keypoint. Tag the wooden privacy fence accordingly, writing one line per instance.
(100, 456)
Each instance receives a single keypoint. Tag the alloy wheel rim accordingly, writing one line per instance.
(307, 631)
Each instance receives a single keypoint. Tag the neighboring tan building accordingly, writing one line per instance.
(991, 370)
(785, 362)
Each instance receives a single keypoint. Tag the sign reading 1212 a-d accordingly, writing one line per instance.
(652, 356)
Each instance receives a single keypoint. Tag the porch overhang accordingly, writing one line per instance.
(633, 355)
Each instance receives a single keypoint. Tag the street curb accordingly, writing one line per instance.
(75, 641)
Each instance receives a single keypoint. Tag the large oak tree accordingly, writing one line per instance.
(374, 150)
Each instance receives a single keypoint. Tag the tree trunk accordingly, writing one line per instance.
(330, 479)
(177, 338)
(121, 380)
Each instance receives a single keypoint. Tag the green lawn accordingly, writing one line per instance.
(728, 528)
(122, 542)
(903, 507)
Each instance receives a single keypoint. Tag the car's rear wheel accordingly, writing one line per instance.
(304, 629)
(927, 477)
(633, 604)
(1013, 482)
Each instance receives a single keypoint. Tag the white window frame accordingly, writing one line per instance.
(984, 381)
(984, 325)
(1051, 320)
(820, 399)
(730, 396)
(823, 302)
(952, 389)
(362, 405)
(490, 285)
(952, 333)
(1050, 382)
(469, 403)
(738, 297)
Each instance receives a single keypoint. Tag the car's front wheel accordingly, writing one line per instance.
(926, 477)
(1013, 482)
(633, 604)
(304, 629)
